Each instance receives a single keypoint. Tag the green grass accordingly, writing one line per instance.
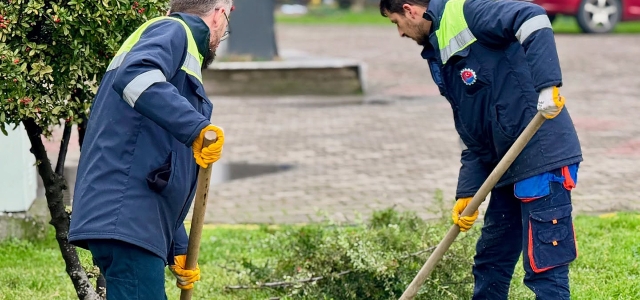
(565, 24)
(323, 15)
(607, 268)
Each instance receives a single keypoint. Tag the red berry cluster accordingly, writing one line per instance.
(4, 22)
(136, 7)
(25, 100)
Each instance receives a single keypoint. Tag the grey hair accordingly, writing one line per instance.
(199, 7)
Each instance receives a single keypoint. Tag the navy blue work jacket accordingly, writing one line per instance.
(493, 85)
(137, 175)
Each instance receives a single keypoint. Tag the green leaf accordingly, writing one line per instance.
(46, 70)
(2, 117)
(56, 110)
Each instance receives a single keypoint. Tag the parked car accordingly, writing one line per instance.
(594, 16)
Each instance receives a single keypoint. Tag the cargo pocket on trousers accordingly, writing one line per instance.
(158, 179)
(551, 237)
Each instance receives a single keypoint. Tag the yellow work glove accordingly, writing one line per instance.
(464, 222)
(206, 156)
(550, 103)
(185, 278)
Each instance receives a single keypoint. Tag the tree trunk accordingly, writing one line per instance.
(358, 5)
(54, 185)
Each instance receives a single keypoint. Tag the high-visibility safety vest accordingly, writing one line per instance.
(454, 34)
(192, 62)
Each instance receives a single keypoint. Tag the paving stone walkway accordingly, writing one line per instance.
(397, 145)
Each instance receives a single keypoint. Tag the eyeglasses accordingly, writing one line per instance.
(227, 32)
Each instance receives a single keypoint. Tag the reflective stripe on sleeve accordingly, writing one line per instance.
(532, 25)
(141, 83)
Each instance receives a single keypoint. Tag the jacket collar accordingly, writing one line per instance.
(199, 29)
(434, 14)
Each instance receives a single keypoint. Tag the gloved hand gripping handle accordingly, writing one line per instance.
(199, 209)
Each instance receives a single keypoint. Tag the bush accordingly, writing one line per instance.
(374, 260)
(54, 53)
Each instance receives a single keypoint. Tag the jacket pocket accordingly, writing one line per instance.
(551, 237)
(163, 176)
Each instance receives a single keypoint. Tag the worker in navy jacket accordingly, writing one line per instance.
(496, 63)
(143, 145)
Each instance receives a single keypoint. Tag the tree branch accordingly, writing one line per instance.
(54, 184)
(64, 145)
(419, 252)
(281, 283)
(101, 286)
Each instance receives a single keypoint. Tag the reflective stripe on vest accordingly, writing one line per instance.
(192, 61)
(454, 34)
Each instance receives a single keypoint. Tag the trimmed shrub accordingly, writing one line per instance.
(376, 259)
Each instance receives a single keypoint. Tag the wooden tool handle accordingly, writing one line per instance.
(474, 204)
(199, 209)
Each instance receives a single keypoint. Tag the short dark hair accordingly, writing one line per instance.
(395, 6)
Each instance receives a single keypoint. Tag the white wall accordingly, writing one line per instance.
(18, 181)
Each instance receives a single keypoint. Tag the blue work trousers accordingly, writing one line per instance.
(131, 272)
(532, 217)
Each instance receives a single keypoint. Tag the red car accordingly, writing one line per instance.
(594, 16)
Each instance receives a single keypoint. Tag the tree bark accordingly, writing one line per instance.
(54, 184)
(358, 5)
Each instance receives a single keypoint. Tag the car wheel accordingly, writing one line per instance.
(599, 16)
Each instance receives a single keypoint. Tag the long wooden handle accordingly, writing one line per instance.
(473, 205)
(199, 209)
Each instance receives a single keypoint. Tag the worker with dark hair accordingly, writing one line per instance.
(496, 63)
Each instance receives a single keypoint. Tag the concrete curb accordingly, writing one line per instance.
(295, 73)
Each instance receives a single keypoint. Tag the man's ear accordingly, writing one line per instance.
(408, 10)
(216, 18)
(209, 19)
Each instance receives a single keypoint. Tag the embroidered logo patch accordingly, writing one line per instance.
(468, 76)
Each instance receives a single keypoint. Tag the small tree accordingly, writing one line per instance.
(52, 57)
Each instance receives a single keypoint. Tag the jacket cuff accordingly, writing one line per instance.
(196, 133)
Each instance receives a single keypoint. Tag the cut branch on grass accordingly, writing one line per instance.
(281, 284)
(229, 269)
